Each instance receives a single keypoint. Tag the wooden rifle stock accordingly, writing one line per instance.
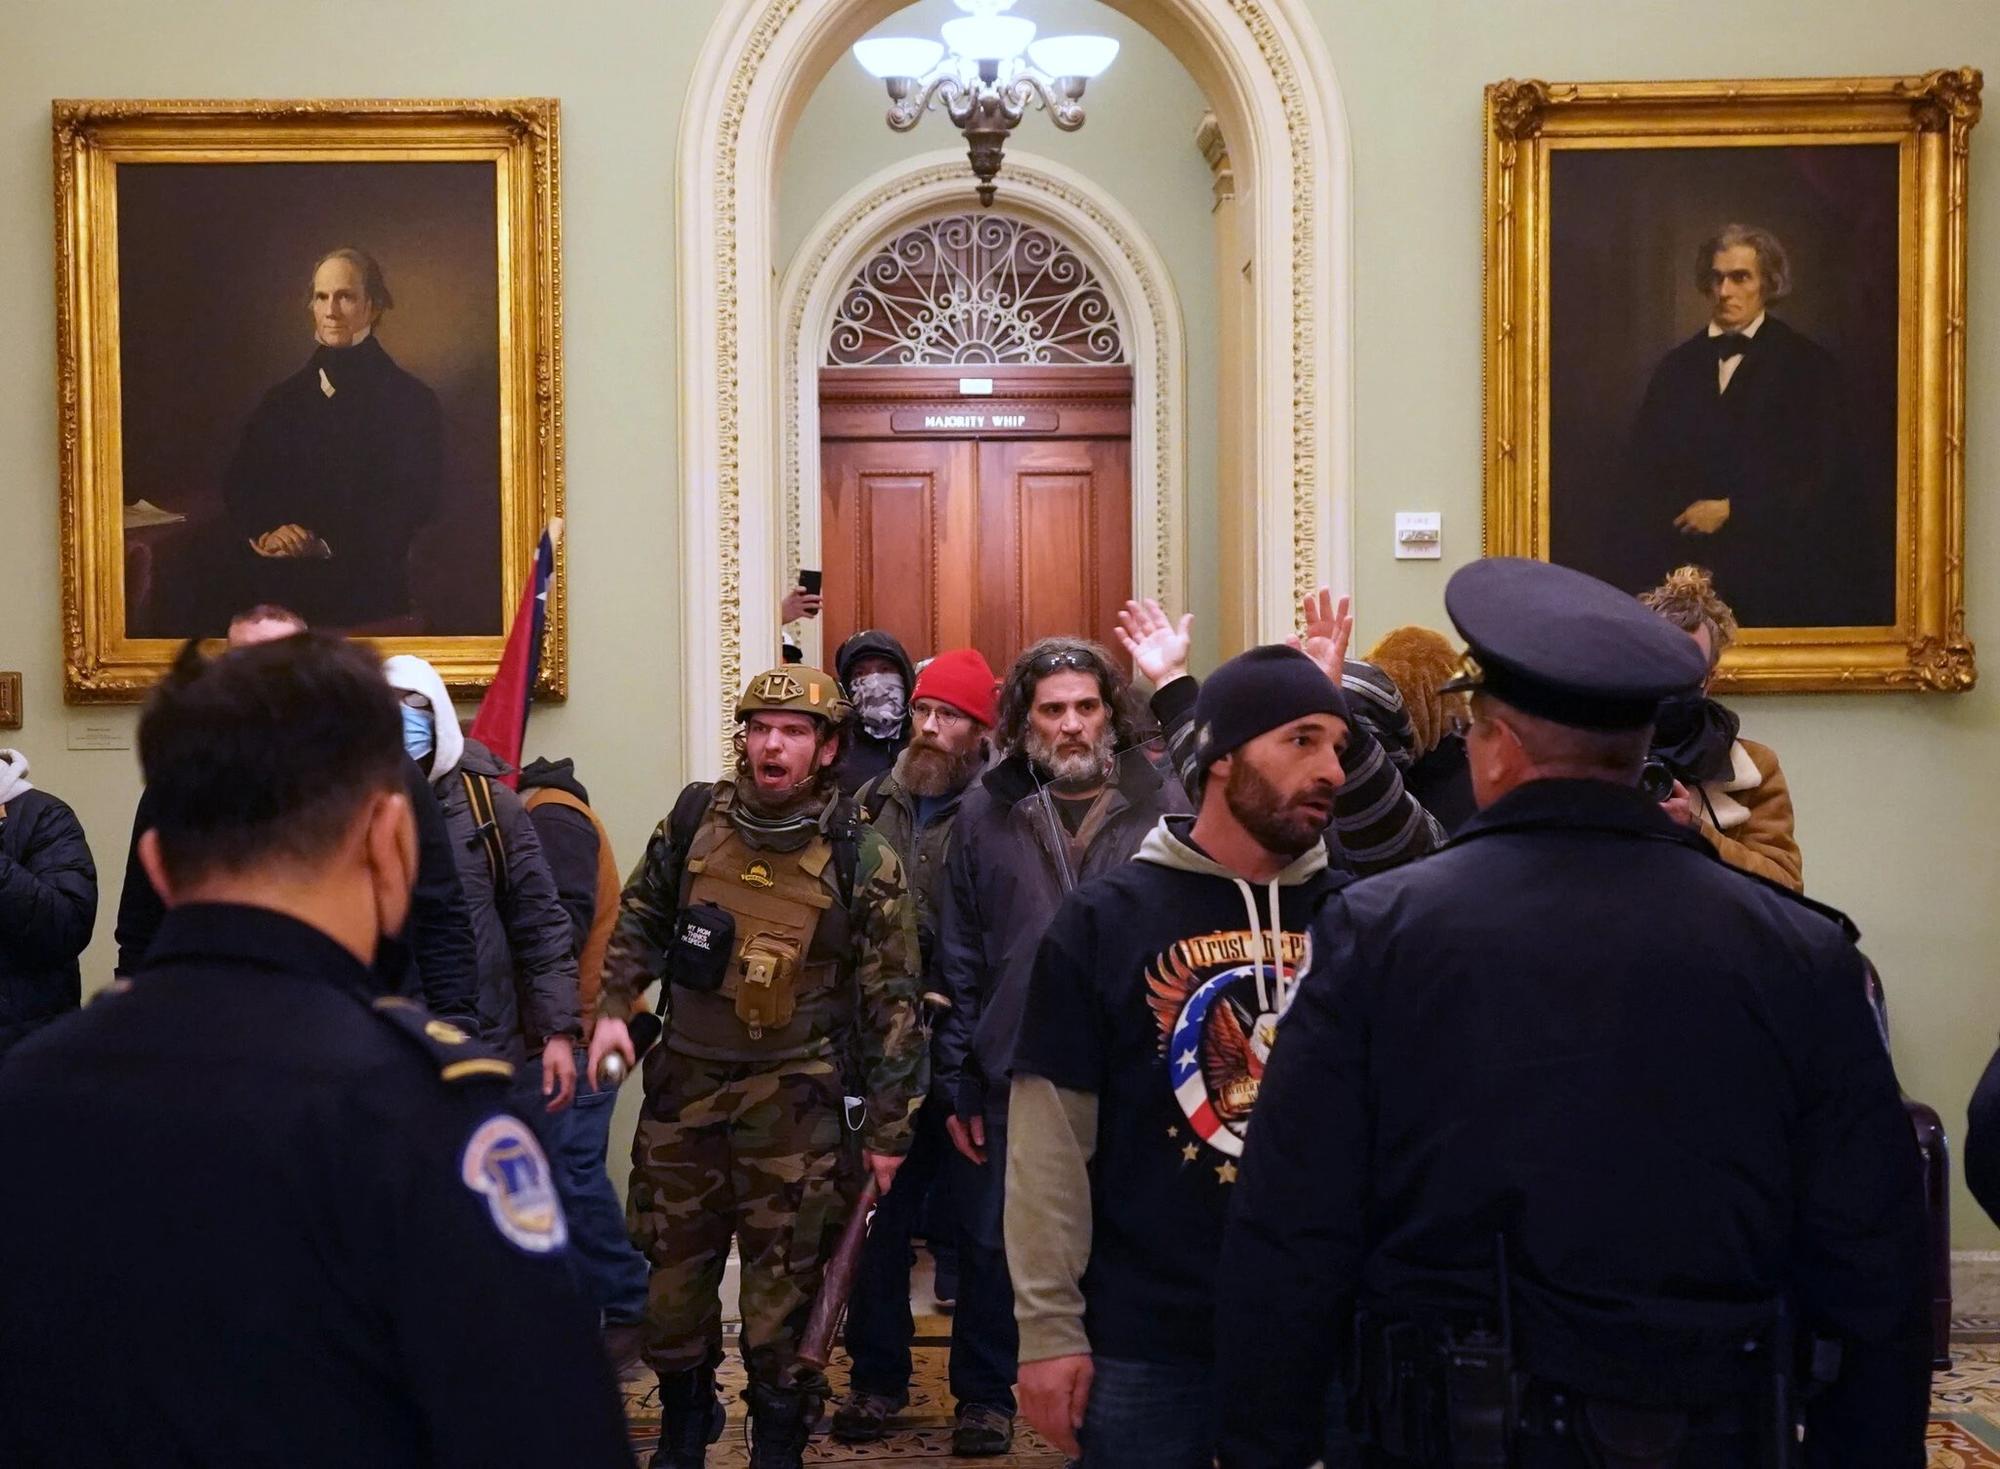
(816, 1346)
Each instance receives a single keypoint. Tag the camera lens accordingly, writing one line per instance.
(1656, 779)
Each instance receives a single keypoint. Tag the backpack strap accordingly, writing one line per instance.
(872, 800)
(479, 796)
(683, 824)
(844, 832)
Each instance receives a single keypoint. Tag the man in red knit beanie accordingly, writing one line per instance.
(952, 711)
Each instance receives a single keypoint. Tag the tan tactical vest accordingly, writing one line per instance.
(784, 989)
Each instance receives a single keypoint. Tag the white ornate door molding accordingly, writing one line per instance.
(1120, 256)
(1263, 68)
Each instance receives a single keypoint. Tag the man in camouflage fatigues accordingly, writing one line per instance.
(785, 937)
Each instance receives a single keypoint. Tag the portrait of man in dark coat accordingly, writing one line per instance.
(339, 466)
(1741, 451)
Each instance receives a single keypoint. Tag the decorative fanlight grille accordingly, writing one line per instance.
(975, 289)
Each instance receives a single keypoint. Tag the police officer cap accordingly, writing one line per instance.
(1555, 643)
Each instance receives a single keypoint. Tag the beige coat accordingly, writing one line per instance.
(1751, 824)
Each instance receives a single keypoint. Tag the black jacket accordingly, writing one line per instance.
(433, 961)
(527, 968)
(48, 904)
(569, 843)
(1004, 882)
(345, 1232)
(1778, 445)
(1657, 1078)
(1982, 1140)
(361, 468)
(865, 756)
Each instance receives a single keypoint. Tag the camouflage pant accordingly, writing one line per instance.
(732, 1148)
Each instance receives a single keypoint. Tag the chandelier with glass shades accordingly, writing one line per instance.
(985, 72)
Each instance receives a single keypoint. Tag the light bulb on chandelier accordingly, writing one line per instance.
(984, 74)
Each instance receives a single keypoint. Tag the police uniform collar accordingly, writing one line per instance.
(1555, 643)
(235, 933)
(1578, 805)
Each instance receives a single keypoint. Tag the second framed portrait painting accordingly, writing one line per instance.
(1725, 327)
(309, 356)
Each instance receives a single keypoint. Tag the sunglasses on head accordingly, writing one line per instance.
(1056, 658)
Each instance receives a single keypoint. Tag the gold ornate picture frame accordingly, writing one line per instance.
(1828, 496)
(228, 437)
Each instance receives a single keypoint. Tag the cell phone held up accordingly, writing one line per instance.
(809, 582)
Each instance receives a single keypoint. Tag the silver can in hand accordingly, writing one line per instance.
(610, 1071)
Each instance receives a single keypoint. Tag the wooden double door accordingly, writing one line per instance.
(985, 523)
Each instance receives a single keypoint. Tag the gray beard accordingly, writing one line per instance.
(1079, 772)
(929, 773)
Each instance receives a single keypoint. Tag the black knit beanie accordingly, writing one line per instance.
(1256, 692)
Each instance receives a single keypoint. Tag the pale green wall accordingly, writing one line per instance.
(1897, 796)
(1137, 145)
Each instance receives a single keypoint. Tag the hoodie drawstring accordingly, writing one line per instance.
(1274, 997)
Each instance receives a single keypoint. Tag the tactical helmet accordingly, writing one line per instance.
(795, 689)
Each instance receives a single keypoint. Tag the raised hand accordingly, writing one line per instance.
(1157, 644)
(1329, 627)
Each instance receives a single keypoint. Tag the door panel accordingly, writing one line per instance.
(992, 543)
(894, 515)
(1055, 540)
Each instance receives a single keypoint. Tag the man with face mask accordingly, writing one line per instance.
(335, 1244)
(878, 676)
(785, 939)
(432, 961)
(528, 993)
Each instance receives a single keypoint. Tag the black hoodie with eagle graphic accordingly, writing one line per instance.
(1153, 1007)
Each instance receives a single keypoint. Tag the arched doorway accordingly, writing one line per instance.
(1116, 254)
(1262, 66)
(976, 425)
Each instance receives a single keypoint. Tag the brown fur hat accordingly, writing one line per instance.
(1420, 662)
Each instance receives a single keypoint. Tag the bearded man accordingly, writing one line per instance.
(915, 806)
(1151, 1012)
(785, 940)
(1060, 808)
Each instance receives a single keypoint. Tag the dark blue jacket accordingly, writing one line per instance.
(48, 905)
(309, 1221)
(1657, 1078)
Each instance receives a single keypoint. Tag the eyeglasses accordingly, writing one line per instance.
(924, 711)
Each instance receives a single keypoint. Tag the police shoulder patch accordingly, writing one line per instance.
(503, 1163)
(456, 1055)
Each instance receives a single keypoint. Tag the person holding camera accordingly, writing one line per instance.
(1729, 789)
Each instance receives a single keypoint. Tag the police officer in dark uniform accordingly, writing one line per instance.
(258, 1215)
(1576, 1140)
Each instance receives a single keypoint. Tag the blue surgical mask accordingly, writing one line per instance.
(419, 738)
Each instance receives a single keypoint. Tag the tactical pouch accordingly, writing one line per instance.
(766, 990)
(704, 938)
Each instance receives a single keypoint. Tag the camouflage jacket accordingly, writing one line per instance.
(869, 1019)
(891, 810)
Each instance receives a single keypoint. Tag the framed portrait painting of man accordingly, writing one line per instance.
(1725, 327)
(310, 355)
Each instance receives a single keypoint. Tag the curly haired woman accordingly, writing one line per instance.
(1729, 789)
